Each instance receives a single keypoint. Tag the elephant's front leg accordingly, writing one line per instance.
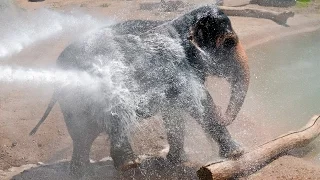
(175, 127)
(209, 121)
(121, 150)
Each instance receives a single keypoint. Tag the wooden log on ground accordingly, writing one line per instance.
(259, 157)
(278, 17)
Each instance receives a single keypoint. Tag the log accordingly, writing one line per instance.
(254, 160)
(278, 17)
(170, 6)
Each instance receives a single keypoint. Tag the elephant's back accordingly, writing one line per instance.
(87, 52)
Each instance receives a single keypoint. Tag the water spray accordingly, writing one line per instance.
(50, 76)
(20, 29)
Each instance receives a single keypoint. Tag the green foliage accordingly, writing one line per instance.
(303, 0)
(303, 3)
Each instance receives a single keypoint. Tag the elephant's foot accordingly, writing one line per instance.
(128, 164)
(231, 150)
(124, 161)
(77, 169)
(175, 158)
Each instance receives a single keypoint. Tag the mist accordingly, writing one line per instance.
(20, 28)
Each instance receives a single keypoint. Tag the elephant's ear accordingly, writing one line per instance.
(206, 31)
(197, 35)
(213, 31)
(192, 39)
(198, 32)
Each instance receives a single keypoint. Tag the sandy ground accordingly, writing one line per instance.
(21, 106)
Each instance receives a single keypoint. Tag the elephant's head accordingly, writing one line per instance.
(222, 55)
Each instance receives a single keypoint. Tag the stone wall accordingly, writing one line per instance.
(274, 3)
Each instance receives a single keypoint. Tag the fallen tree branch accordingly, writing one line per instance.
(278, 17)
(170, 6)
(254, 160)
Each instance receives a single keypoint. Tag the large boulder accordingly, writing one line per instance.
(274, 3)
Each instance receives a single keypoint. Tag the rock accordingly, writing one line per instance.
(35, 0)
(14, 144)
(166, 6)
(274, 3)
(171, 6)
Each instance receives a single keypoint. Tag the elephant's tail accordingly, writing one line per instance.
(49, 108)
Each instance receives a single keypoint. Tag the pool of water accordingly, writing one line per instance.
(285, 82)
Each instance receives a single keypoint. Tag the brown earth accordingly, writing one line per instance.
(21, 106)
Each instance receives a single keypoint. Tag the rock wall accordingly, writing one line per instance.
(274, 3)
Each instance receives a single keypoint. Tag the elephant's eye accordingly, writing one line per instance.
(229, 43)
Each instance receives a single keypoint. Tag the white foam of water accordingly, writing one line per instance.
(20, 29)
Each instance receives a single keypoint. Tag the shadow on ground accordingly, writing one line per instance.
(153, 168)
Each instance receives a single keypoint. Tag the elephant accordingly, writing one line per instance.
(159, 67)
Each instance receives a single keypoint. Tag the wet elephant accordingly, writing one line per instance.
(163, 68)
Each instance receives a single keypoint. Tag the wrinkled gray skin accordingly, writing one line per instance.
(204, 44)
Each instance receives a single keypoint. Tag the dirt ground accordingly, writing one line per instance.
(21, 105)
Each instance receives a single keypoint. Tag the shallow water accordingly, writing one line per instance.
(285, 82)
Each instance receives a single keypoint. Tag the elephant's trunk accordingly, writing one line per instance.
(239, 76)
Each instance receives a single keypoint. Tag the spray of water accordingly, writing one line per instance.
(20, 29)
(50, 76)
(143, 71)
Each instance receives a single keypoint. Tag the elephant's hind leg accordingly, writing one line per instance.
(80, 156)
(83, 132)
